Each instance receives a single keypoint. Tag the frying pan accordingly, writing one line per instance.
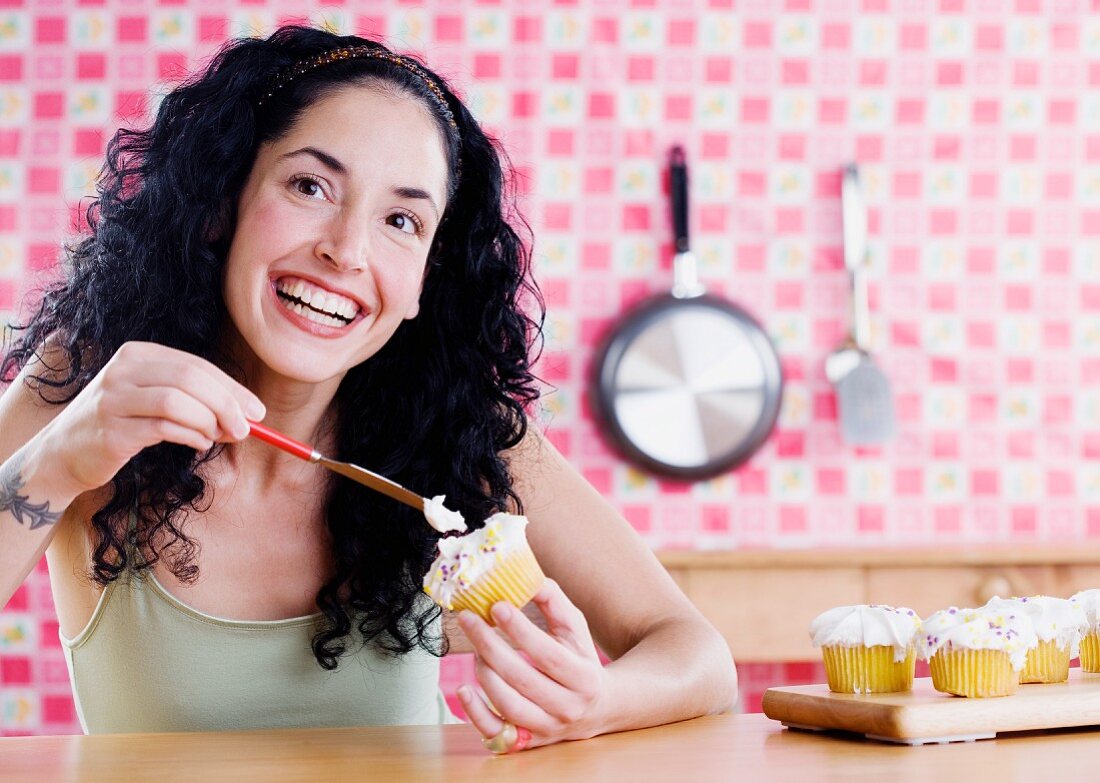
(688, 385)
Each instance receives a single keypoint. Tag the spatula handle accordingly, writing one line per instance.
(281, 441)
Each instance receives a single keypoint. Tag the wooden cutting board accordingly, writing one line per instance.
(925, 715)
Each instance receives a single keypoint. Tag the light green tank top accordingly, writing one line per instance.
(148, 662)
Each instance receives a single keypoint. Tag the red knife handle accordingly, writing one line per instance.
(279, 440)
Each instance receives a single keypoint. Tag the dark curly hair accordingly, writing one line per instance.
(455, 382)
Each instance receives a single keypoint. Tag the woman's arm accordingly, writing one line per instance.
(668, 662)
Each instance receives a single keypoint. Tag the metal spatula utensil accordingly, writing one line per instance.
(354, 472)
(865, 401)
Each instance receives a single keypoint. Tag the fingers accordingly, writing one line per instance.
(167, 376)
(564, 621)
(553, 683)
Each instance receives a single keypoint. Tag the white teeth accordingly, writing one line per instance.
(336, 308)
(313, 315)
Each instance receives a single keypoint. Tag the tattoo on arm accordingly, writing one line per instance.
(35, 515)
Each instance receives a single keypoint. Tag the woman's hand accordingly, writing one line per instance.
(553, 689)
(146, 394)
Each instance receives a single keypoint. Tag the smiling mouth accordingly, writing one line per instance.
(315, 304)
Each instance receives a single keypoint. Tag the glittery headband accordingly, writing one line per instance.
(359, 52)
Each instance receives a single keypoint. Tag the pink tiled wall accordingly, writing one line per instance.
(978, 124)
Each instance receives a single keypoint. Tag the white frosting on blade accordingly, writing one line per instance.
(1089, 601)
(464, 559)
(1057, 620)
(1006, 629)
(442, 518)
(867, 625)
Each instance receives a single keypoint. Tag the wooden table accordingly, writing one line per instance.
(727, 747)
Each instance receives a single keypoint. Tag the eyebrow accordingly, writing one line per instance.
(335, 165)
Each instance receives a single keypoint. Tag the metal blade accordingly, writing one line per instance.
(374, 481)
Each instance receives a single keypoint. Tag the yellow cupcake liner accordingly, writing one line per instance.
(515, 579)
(974, 673)
(1046, 663)
(1090, 652)
(867, 669)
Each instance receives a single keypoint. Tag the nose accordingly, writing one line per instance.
(345, 243)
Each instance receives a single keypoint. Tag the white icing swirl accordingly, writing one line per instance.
(464, 559)
(867, 625)
(1089, 601)
(442, 518)
(1055, 620)
(986, 628)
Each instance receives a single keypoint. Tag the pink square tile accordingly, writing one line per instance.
(909, 482)
(1021, 445)
(755, 111)
(830, 482)
(132, 29)
(913, 36)
(947, 520)
(989, 37)
(985, 482)
(636, 217)
(213, 29)
(910, 111)
(832, 111)
(757, 34)
(91, 65)
(487, 65)
(49, 30)
(678, 108)
(680, 32)
(871, 519)
(11, 68)
(1025, 520)
(949, 74)
(869, 150)
(986, 111)
(1022, 148)
(718, 70)
(641, 68)
(1057, 335)
(1062, 112)
(1019, 370)
(1025, 74)
(716, 519)
(789, 295)
(792, 519)
(752, 481)
(15, 670)
(1060, 483)
(526, 29)
(836, 35)
(605, 30)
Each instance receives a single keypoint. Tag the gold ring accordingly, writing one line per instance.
(504, 741)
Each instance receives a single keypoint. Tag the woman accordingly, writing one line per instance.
(313, 233)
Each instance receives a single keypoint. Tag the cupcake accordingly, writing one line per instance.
(867, 648)
(490, 564)
(1059, 624)
(976, 652)
(1089, 602)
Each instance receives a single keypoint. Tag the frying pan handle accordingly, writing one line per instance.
(281, 441)
(678, 187)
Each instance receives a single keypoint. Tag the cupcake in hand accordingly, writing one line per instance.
(1089, 603)
(976, 652)
(490, 564)
(1059, 624)
(867, 648)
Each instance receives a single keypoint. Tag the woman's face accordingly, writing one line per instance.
(333, 230)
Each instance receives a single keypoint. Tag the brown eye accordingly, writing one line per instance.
(307, 186)
(405, 223)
